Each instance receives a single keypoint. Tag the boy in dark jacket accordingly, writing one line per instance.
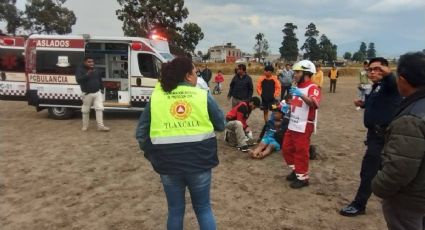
(401, 181)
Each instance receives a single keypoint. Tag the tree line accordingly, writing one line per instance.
(314, 50)
(139, 19)
(362, 54)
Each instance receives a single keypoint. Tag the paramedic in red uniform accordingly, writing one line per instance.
(305, 101)
(91, 85)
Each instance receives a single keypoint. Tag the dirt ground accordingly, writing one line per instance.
(53, 176)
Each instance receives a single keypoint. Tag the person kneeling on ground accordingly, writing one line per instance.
(237, 123)
(274, 130)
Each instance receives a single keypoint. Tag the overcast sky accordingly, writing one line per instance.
(395, 26)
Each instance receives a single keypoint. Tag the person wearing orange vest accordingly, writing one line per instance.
(268, 87)
(318, 76)
(333, 75)
(296, 142)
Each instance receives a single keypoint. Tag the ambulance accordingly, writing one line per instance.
(129, 66)
(12, 68)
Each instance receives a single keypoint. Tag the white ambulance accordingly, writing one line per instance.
(129, 67)
(13, 84)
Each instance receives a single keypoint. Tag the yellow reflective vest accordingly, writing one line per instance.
(179, 116)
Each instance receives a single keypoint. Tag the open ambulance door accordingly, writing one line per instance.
(145, 72)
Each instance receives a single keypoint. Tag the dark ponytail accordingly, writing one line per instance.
(174, 72)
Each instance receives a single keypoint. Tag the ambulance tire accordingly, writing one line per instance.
(60, 113)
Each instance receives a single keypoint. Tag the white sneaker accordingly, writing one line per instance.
(103, 128)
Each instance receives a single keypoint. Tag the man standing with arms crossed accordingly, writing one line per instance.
(91, 85)
(380, 107)
(296, 142)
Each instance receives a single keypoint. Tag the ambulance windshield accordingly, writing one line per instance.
(12, 60)
(167, 56)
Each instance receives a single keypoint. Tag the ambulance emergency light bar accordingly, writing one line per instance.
(7, 41)
(156, 36)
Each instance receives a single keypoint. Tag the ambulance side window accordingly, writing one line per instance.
(12, 60)
(58, 62)
(149, 65)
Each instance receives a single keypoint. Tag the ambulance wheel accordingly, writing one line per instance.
(60, 113)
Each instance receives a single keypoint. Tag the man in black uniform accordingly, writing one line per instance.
(380, 107)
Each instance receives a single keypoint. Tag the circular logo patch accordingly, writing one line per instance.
(180, 109)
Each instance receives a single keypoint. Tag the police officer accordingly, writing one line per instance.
(176, 133)
(379, 109)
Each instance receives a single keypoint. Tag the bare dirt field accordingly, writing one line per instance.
(53, 176)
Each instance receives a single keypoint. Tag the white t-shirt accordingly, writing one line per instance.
(200, 83)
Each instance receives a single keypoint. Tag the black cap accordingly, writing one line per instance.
(269, 68)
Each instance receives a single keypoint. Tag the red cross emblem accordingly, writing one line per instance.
(296, 102)
(8, 61)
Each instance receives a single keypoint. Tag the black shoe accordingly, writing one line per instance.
(243, 148)
(351, 210)
(296, 184)
(291, 177)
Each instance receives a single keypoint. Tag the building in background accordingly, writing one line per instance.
(225, 53)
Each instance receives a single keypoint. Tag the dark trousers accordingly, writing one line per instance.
(370, 165)
(399, 218)
(284, 90)
(332, 88)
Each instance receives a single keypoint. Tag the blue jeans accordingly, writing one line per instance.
(199, 188)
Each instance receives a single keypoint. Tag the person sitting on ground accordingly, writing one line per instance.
(275, 129)
(237, 127)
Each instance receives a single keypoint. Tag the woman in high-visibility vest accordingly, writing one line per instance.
(176, 134)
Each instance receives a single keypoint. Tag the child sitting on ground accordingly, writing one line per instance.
(274, 130)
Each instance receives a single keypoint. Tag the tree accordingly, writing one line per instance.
(48, 16)
(347, 56)
(371, 52)
(141, 17)
(361, 54)
(261, 48)
(327, 50)
(191, 35)
(10, 14)
(289, 48)
(206, 56)
(312, 50)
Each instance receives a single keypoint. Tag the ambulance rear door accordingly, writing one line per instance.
(12, 68)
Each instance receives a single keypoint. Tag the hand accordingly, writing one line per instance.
(285, 108)
(385, 70)
(359, 103)
(295, 91)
